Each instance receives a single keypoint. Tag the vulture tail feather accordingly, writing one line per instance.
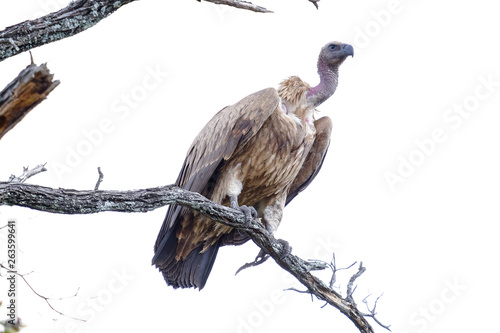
(191, 272)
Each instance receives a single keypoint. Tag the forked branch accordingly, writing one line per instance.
(67, 201)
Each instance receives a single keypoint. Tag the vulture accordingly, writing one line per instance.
(256, 155)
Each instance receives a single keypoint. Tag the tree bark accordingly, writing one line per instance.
(25, 92)
(78, 16)
(67, 201)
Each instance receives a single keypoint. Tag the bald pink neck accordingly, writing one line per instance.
(326, 87)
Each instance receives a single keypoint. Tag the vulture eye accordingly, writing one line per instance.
(332, 47)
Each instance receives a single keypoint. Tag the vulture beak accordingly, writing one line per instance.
(348, 50)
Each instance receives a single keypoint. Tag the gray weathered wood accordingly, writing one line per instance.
(78, 16)
(67, 201)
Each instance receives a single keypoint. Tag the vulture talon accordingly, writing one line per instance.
(286, 249)
(315, 3)
(260, 259)
(250, 212)
(263, 256)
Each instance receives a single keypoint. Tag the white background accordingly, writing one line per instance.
(429, 241)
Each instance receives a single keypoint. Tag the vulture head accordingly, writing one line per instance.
(332, 55)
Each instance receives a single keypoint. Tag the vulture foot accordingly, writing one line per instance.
(263, 256)
(250, 212)
(286, 249)
(260, 259)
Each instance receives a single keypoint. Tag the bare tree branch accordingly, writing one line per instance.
(68, 201)
(27, 90)
(240, 4)
(372, 312)
(99, 180)
(28, 173)
(333, 266)
(350, 289)
(249, 6)
(78, 16)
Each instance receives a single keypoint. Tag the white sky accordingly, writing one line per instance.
(429, 243)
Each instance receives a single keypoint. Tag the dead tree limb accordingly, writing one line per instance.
(68, 201)
(250, 6)
(28, 173)
(240, 4)
(78, 16)
(27, 90)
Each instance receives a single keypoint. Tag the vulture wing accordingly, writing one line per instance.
(226, 133)
(314, 159)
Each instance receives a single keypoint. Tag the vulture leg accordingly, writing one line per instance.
(237, 237)
(250, 212)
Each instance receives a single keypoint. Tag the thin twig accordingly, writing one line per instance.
(241, 4)
(350, 289)
(297, 290)
(28, 173)
(372, 312)
(45, 298)
(304, 292)
(99, 180)
(333, 266)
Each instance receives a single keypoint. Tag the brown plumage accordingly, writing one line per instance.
(260, 152)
